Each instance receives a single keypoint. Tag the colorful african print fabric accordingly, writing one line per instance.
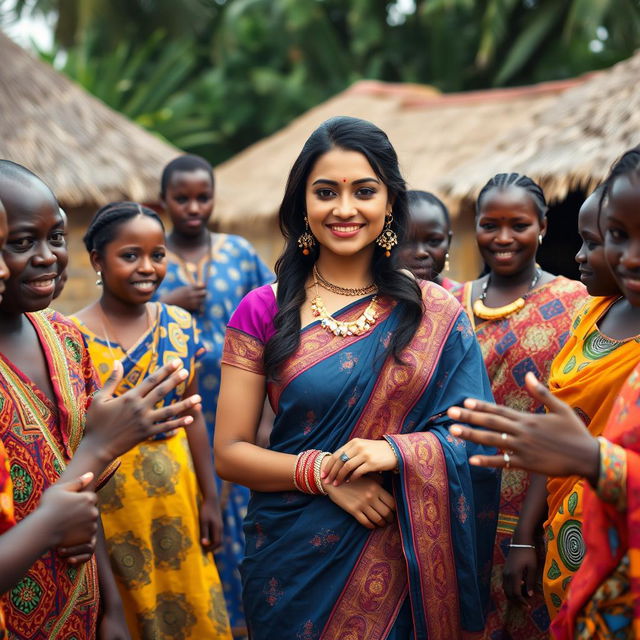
(7, 517)
(169, 586)
(587, 374)
(449, 284)
(230, 272)
(527, 340)
(604, 599)
(54, 600)
(311, 570)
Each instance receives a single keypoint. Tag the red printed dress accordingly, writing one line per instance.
(54, 600)
(7, 519)
(527, 340)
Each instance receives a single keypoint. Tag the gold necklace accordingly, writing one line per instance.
(107, 334)
(493, 313)
(340, 328)
(343, 291)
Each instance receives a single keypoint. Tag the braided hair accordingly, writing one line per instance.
(106, 221)
(506, 180)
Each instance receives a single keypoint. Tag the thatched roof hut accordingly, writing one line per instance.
(570, 144)
(432, 133)
(85, 151)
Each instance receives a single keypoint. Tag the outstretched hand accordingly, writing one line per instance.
(555, 444)
(116, 424)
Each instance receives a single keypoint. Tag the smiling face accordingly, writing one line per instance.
(346, 203)
(595, 273)
(622, 235)
(189, 200)
(507, 230)
(133, 264)
(425, 250)
(36, 251)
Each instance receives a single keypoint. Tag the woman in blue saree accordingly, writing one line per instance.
(366, 519)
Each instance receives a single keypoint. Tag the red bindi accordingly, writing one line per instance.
(344, 179)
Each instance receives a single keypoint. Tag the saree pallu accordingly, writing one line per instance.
(230, 270)
(54, 600)
(169, 586)
(587, 374)
(7, 516)
(527, 340)
(311, 570)
(603, 602)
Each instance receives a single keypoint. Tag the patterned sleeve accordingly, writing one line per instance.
(249, 329)
(7, 517)
(612, 477)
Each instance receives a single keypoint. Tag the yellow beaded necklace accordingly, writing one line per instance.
(493, 313)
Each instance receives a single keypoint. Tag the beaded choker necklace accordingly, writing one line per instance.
(492, 313)
(340, 328)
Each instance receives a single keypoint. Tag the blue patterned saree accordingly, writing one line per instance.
(311, 570)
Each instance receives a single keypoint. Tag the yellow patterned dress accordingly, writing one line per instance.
(170, 587)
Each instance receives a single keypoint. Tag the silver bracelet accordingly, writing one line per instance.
(522, 546)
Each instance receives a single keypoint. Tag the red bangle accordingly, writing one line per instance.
(299, 473)
(306, 473)
(310, 474)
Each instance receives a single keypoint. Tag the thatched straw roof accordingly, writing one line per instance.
(85, 151)
(432, 133)
(568, 145)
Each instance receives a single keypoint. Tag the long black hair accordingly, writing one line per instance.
(293, 267)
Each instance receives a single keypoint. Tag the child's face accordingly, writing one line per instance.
(134, 263)
(425, 250)
(595, 273)
(189, 201)
(4, 230)
(35, 251)
(622, 235)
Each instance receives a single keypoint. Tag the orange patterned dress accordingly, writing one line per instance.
(527, 340)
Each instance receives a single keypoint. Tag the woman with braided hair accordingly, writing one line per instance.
(603, 597)
(522, 317)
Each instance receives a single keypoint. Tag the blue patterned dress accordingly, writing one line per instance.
(232, 269)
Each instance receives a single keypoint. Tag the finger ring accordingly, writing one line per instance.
(503, 435)
(344, 457)
(507, 460)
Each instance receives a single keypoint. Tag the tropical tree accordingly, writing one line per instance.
(213, 76)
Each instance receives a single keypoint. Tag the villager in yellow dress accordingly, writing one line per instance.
(169, 586)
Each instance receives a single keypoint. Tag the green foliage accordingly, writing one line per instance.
(213, 76)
